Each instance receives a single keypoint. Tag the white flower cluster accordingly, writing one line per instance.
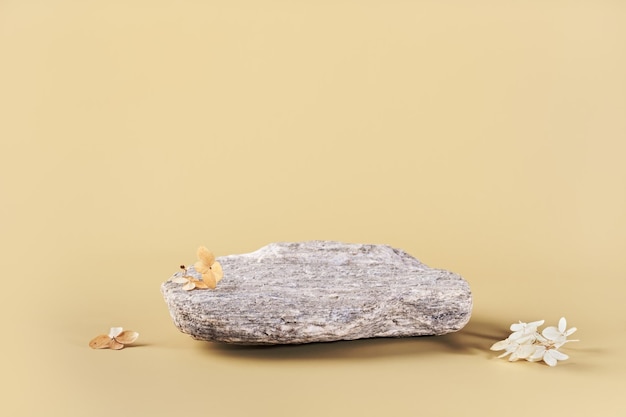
(526, 343)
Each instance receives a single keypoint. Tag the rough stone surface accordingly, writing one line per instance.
(320, 291)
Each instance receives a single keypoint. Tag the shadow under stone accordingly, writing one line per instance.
(474, 339)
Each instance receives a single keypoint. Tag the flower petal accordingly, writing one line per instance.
(115, 345)
(558, 355)
(536, 323)
(209, 279)
(538, 354)
(552, 333)
(127, 337)
(562, 324)
(522, 328)
(570, 331)
(115, 331)
(200, 284)
(100, 342)
(217, 271)
(528, 339)
(180, 280)
(189, 286)
(502, 344)
(201, 267)
(525, 351)
(206, 256)
(549, 359)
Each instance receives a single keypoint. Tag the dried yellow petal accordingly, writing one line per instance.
(115, 345)
(100, 342)
(200, 284)
(210, 270)
(217, 271)
(127, 337)
(206, 256)
(209, 279)
(201, 267)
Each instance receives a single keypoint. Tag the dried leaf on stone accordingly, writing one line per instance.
(180, 280)
(201, 284)
(205, 260)
(209, 279)
(217, 271)
(210, 269)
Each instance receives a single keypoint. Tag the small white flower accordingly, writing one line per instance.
(507, 345)
(515, 349)
(526, 343)
(549, 356)
(524, 332)
(523, 351)
(558, 336)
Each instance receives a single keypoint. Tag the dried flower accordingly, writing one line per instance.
(515, 349)
(189, 281)
(559, 335)
(523, 332)
(526, 343)
(548, 355)
(116, 339)
(210, 269)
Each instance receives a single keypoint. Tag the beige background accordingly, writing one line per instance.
(484, 137)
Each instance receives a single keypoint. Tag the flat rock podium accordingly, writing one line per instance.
(321, 291)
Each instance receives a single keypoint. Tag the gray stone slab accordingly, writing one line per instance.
(321, 291)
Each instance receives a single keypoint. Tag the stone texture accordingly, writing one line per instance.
(320, 291)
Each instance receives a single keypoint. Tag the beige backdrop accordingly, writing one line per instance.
(484, 137)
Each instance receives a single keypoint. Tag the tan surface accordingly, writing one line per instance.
(485, 139)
